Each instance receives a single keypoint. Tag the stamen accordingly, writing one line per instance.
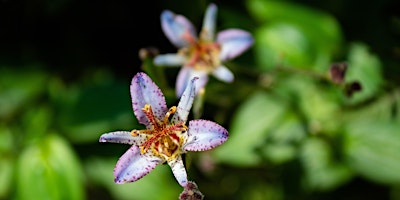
(150, 116)
(163, 137)
(135, 133)
(172, 110)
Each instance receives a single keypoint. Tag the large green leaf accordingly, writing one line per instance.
(365, 68)
(321, 170)
(317, 104)
(372, 149)
(249, 129)
(281, 44)
(301, 36)
(49, 169)
(6, 175)
(284, 139)
(18, 89)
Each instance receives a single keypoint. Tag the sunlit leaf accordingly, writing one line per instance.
(36, 121)
(315, 34)
(6, 139)
(49, 169)
(372, 149)
(319, 105)
(249, 129)
(6, 175)
(365, 68)
(382, 109)
(281, 44)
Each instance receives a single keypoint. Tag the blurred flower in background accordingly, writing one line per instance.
(203, 55)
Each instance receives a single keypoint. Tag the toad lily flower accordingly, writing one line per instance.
(166, 136)
(204, 55)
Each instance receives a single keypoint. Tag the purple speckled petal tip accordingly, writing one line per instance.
(179, 170)
(204, 135)
(175, 26)
(185, 103)
(123, 137)
(133, 165)
(233, 42)
(145, 91)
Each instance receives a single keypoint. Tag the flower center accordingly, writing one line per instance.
(163, 138)
(203, 54)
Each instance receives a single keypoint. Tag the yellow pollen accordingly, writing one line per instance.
(163, 138)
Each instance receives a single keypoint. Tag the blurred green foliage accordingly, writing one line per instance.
(294, 133)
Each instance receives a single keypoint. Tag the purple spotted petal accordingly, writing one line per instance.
(210, 18)
(185, 75)
(123, 137)
(145, 91)
(170, 60)
(133, 165)
(233, 43)
(185, 103)
(222, 73)
(175, 27)
(204, 135)
(179, 170)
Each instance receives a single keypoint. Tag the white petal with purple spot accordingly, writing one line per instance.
(204, 135)
(145, 91)
(133, 165)
(179, 170)
(123, 137)
(185, 103)
(233, 42)
(175, 26)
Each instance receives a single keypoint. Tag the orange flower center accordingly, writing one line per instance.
(202, 54)
(163, 138)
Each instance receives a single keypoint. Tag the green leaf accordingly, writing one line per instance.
(281, 44)
(249, 129)
(283, 140)
(318, 104)
(98, 108)
(49, 169)
(6, 139)
(18, 89)
(6, 175)
(372, 149)
(381, 109)
(315, 35)
(321, 171)
(159, 184)
(36, 122)
(365, 68)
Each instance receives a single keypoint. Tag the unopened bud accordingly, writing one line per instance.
(191, 192)
(337, 72)
(148, 52)
(352, 87)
